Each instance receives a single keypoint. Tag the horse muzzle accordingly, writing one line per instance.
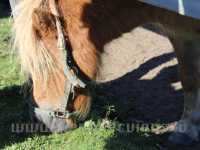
(55, 121)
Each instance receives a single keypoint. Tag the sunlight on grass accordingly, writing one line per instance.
(4, 36)
(9, 72)
(9, 67)
(96, 138)
(79, 139)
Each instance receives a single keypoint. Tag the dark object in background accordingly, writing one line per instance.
(5, 3)
(5, 10)
(6, 6)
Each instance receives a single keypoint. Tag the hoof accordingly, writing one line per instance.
(177, 138)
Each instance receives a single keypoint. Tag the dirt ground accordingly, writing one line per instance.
(140, 70)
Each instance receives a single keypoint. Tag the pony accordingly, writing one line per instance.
(86, 27)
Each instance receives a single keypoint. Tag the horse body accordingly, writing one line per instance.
(88, 26)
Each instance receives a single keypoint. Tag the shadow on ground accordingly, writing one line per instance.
(13, 110)
(135, 100)
(151, 101)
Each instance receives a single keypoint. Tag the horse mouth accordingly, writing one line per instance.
(53, 124)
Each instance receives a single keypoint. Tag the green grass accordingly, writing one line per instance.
(9, 68)
(89, 136)
(5, 35)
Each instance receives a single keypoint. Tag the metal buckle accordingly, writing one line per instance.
(65, 114)
(62, 114)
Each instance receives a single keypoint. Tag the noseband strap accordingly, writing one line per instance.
(56, 113)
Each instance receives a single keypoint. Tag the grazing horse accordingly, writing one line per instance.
(59, 44)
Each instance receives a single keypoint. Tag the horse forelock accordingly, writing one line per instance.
(36, 60)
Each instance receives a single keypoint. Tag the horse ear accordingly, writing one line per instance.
(43, 21)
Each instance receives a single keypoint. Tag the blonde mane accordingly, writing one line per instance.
(34, 56)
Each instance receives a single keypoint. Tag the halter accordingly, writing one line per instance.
(73, 80)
